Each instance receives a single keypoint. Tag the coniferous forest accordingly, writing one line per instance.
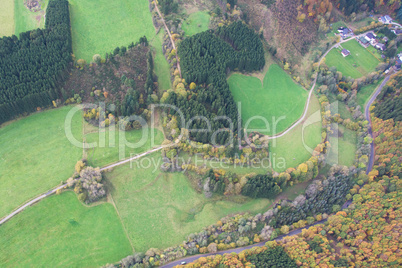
(33, 66)
(205, 59)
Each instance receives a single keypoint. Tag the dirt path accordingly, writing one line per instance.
(170, 36)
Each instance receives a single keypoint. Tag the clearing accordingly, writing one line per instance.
(343, 147)
(359, 63)
(161, 209)
(276, 96)
(294, 148)
(196, 23)
(36, 156)
(61, 232)
(162, 68)
(7, 18)
(25, 19)
(100, 26)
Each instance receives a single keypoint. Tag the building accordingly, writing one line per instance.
(345, 52)
(363, 41)
(345, 32)
(370, 36)
(380, 46)
(397, 31)
(385, 19)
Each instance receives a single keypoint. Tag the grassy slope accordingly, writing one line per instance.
(364, 94)
(160, 209)
(60, 231)
(107, 154)
(343, 149)
(359, 56)
(35, 156)
(195, 23)
(162, 68)
(290, 148)
(7, 18)
(100, 26)
(278, 96)
(25, 20)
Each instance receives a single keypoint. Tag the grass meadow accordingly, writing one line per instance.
(277, 96)
(100, 26)
(161, 209)
(111, 149)
(359, 63)
(343, 147)
(289, 150)
(26, 20)
(364, 94)
(36, 156)
(162, 68)
(196, 22)
(61, 232)
(7, 18)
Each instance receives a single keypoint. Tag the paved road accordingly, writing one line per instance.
(312, 89)
(37, 199)
(367, 115)
(170, 36)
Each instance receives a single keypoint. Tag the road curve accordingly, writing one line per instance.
(37, 199)
(367, 115)
(312, 89)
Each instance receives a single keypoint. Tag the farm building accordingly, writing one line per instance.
(345, 52)
(345, 32)
(363, 41)
(385, 19)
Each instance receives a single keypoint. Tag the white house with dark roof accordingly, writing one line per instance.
(345, 52)
(385, 19)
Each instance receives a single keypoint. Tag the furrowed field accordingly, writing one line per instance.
(36, 156)
(277, 96)
(60, 231)
(359, 63)
(98, 27)
(160, 209)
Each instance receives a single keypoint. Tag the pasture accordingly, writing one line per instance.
(26, 20)
(359, 63)
(161, 209)
(277, 96)
(98, 27)
(293, 148)
(343, 147)
(7, 18)
(162, 68)
(61, 232)
(109, 149)
(196, 22)
(36, 156)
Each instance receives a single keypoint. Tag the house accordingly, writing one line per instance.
(370, 36)
(345, 32)
(363, 41)
(398, 64)
(385, 39)
(385, 19)
(400, 56)
(345, 52)
(380, 46)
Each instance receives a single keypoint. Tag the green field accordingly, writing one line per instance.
(61, 232)
(26, 20)
(162, 68)
(364, 94)
(290, 148)
(7, 18)
(161, 209)
(277, 96)
(107, 153)
(36, 156)
(196, 22)
(359, 63)
(343, 147)
(100, 26)
(336, 25)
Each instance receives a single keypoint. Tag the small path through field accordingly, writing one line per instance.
(303, 117)
(170, 36)
(33, 201)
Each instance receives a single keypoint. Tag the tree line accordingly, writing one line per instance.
(34, 65)
(205, 59)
